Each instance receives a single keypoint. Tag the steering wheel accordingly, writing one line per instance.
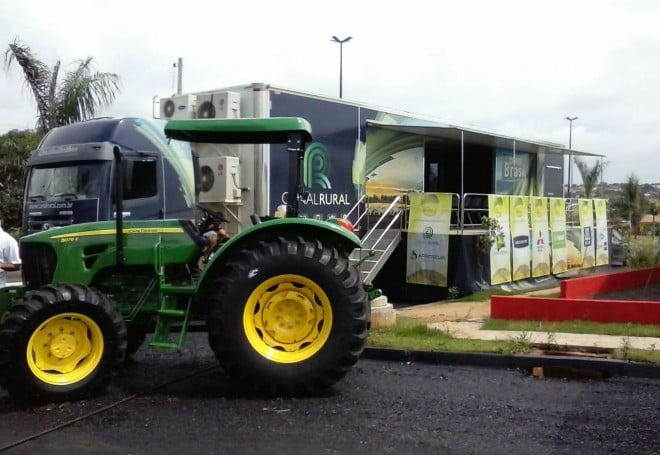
(209, 218)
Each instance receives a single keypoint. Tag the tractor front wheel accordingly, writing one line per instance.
(60, 343)
(289, 318)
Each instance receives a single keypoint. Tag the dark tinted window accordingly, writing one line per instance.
(142, 181)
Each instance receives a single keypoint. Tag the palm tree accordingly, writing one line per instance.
(632, 201)
(59, 102)
(590, 175)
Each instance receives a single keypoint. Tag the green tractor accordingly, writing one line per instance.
(285, 311)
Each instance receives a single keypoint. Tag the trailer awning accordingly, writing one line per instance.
(472, 136)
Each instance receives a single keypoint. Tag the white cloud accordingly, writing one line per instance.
(518, 67)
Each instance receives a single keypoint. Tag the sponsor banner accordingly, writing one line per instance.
(540, 236)
(602, 245)
(588, 245)
(428, 238)
(500, 250)
(559, 257)
(520, 248)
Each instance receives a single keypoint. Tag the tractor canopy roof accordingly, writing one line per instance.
(274, 130)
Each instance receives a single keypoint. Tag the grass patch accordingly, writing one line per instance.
(622, 329)
(480, 296)
(411, 334)
(637, 355)
(408, 333)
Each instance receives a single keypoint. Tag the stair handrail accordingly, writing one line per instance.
(355, 206)
(382, 217)
(387, 229)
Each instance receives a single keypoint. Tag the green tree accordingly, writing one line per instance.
(590, 175)
(76, 97)
(654, 208)
(15, 147)
(629, 203)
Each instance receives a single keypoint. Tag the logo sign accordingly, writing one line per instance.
(521, 241)
(316, 167)
(428, 232)
(514, 169)
(587, 236)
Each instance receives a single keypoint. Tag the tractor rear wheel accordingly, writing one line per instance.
(60, 343)
(290, 317)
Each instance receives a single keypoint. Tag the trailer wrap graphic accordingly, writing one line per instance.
(327, 189)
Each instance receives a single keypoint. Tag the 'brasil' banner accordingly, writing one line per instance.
(558, 234)
(540, 236)
(428, 238)
(500, 250)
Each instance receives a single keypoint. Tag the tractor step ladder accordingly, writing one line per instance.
(175, 306)
(378, 244)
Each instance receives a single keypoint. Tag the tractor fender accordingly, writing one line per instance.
(331, 235)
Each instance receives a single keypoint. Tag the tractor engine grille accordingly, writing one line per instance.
(39, 262)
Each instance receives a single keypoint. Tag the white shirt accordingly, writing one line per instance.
(8, 254)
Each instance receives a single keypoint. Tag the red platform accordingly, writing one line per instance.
(574, 304)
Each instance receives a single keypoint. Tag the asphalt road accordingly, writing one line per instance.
(380, 407)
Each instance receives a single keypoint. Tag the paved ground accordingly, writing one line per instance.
(181, 402)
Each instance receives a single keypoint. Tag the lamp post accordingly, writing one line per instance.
(341, 48)
(570, 152)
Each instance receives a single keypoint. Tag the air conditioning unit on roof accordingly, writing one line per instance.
(219, 177)
(178, 107)
(219, 105)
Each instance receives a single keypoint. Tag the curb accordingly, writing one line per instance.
(607, 367)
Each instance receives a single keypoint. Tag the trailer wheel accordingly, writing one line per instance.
(290, 317)
(60, 343)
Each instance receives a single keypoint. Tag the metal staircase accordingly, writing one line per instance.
(378, 243)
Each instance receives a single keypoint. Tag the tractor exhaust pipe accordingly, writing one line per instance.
(119, 206)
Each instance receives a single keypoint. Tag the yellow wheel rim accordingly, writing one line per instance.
(288, 318)
(65, 349)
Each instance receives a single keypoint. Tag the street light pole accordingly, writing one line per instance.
(570, 153)
(341, 58)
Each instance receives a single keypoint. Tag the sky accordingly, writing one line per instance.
(513, 67)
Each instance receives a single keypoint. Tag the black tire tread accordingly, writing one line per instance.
(319, 377)
(29, 311)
